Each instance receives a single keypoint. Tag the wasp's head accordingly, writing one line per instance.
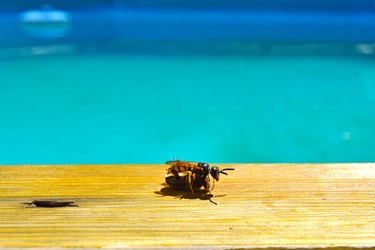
(215, 172)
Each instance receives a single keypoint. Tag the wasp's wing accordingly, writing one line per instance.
(172, 162)
(181, 163)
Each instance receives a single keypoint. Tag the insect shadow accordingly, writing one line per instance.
(183, 194)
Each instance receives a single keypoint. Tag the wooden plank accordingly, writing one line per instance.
(120, 206)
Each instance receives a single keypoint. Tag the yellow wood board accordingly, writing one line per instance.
(121, 206)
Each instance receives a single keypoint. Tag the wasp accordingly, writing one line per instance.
(185, 175)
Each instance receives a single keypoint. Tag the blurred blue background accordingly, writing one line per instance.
(144, 81)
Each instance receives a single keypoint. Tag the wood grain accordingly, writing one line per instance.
(121, 206)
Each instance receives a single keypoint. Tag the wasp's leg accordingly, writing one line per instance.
(191, 179)
(213, 184)
(206, 184)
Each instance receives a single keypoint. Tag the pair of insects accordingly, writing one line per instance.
(192, 176)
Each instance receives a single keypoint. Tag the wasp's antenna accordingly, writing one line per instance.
(226, 169)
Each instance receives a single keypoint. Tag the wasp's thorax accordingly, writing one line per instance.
(205, 167)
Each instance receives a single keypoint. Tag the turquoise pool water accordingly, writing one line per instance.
(105, 108)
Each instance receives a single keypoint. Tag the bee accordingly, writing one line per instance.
(185, 175)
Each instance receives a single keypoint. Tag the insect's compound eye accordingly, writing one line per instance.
(215, 172)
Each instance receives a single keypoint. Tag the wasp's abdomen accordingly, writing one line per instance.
(179, 181)
(180, 167)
